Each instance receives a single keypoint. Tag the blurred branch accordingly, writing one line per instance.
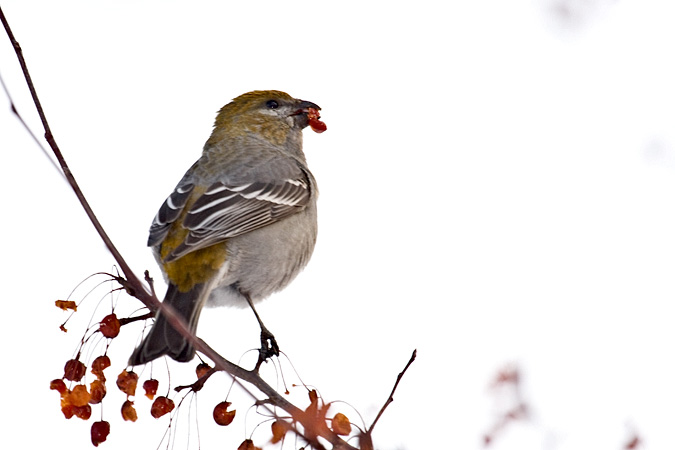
(133, 282)
(12, 106)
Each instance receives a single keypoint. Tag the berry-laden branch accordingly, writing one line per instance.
(313, 424)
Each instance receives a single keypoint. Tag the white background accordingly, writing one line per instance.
(497, 185)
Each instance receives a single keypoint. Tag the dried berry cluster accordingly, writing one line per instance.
(316, 419)
(77, 399)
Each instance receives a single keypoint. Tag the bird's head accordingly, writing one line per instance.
(269, 114)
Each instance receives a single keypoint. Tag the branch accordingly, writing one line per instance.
(391, 396)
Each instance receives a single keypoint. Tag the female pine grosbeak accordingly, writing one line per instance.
(241, 223)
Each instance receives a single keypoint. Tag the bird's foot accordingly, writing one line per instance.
(268, 347)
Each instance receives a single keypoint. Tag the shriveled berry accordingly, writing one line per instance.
(150, 386)
(74, 370)
(248, 445)
(128, 411)
(202, 368)
(110, 326)
(82, 412)
(279, 430)
(97, 390)
(58, 385)
(341, 425)
(98, 365)
(162, 405)
(67, 409)
(66, 305)
(79, 396)
(99, 432)
(127, 382)
(221, 415)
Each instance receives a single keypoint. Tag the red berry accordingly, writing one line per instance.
(313, 118)
(99, 432)
(221, 415)
(74, 370)
(83, 412)
(100, 363)
(162, 405)
(67, 409)
(150, 386)
(110, 326)
(247, 445)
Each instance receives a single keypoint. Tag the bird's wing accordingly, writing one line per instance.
(226, 210)
(170, 210)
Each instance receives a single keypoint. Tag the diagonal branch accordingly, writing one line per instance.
(391, 396)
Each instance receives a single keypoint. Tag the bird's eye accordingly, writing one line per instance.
(272, 104)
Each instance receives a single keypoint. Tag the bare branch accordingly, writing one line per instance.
(391, 396)
(126, 320)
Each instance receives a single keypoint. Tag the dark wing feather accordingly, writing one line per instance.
(168, 213)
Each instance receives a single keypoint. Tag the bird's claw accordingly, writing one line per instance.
(268, 347)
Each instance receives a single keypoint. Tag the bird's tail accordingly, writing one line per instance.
(163, 339)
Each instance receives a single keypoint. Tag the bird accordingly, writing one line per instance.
(241, 223)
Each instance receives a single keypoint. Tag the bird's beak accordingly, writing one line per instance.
(309, 113)
(303, 107)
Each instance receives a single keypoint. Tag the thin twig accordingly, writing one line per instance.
(197, 385)
(391, 396)
(127, 320)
